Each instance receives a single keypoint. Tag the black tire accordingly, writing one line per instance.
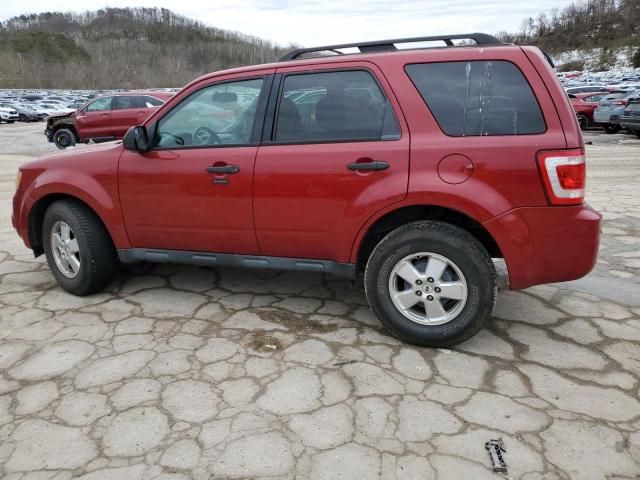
(637, 133)
(97, 253)
(10, 121)
(448, 241)
(583, 121)
(612, 128)
(64, 138)
(22, 118)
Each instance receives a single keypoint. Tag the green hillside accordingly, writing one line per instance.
(114, 47)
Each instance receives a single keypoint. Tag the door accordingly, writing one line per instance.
(192, 190)
(128, 110)
(338, 153)
(94, 121)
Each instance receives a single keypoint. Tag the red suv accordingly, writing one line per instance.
(584, 104)
(413, 167)
(104, 118)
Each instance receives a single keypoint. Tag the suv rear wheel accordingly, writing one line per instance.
(78, 248)
(431, 284)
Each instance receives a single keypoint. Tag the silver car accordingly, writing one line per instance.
(610, 110)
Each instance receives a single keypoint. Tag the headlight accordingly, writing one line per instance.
(18, 178)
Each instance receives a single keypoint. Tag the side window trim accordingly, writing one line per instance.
(269, 131)
(258, 122)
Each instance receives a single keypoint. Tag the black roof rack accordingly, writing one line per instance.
(390, 45)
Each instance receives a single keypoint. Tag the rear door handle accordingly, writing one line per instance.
(223, 169)
(365, 166)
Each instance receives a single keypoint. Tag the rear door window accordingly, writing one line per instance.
(478, 98)
(126, 102)
(148, 102)
(337, 106)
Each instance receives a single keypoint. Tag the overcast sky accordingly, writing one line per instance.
(317, 22)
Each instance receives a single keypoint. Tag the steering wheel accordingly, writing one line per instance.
(205, 136)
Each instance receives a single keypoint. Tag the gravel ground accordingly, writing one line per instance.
(180, 372)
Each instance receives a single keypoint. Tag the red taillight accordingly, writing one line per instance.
(564, 175)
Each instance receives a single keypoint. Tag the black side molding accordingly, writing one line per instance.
(205, 259)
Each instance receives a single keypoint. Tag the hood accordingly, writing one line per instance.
(83, 152)
(58, 116)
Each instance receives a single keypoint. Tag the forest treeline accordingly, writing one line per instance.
(150, 47)
(119, 48)
(607, 25)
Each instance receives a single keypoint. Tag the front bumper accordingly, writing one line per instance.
(48, 132)
(547, 244)
(22, 203)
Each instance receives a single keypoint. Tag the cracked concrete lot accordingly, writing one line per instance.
(179, 372)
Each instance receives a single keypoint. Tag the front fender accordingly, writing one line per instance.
(100, 193)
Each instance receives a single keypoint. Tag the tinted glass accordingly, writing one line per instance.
(149, 102)
(101, 104)
(221, 114)
(336, 106)
(478, 98)
(124, 102)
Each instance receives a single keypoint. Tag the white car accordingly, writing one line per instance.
(8, 115)
(54, 109)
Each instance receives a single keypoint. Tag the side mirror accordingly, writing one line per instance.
(136, 139)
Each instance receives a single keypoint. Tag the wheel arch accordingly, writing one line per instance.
(413, 213)
(36, 218)
(68, 126)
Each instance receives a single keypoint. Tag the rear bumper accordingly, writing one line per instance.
(547, 244)
(610, 116)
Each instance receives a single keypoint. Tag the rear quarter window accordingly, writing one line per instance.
(478, 98)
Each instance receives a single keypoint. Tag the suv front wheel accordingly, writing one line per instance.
(64, 138)
(431, 284)
(78, 248)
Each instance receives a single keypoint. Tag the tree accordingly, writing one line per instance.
(636, 59)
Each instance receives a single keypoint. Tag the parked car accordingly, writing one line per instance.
(610, 109)
(584, 105)
(631, 116)
(24, 113)
(32, 107)
(102, 119)
(53, 109)
(409, 169)
(588, 89)
(8, 114)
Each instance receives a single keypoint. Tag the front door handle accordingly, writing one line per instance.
(366, 166)
(223, 169)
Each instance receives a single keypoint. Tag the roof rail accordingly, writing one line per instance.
(390, 45)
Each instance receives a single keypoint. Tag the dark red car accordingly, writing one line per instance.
(584, 104)
(104, 118)
(413, 167)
